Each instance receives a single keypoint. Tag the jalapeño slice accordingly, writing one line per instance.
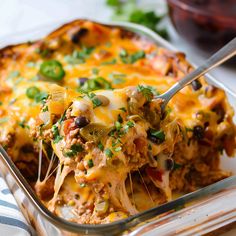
(52, 70)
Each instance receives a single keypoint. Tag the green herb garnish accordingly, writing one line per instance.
(188, 129)
(90, 163)
(117, 149)
(22, 124)
(117, 78)
(123, 109)
(4, 119)
(146, 92)
(120, 118)
(95, 84)
(31, 64)
(42, 52)
(123, 53)
(35, 94)
(100, 146)
(129, 11)
(79, 57)
(159, 134)
(128, 125)
(45, 109)
(108, 152)
(56, 135)
(13, 74)
(95, 100)
(95, 71)
(131, 58)
(111, 62)
(136, 56)
(177, 166)
(74, 149)
(82, 185)
(41, 97)
(118, 125)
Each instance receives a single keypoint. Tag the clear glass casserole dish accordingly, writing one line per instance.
(203, 211)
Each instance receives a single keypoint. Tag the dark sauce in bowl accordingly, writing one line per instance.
(206, 24)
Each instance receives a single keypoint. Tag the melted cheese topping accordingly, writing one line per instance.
(124, 61)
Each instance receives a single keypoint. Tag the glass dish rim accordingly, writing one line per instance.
(131, 221)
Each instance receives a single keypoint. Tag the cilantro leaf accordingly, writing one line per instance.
(117, 78)
(74, 149)
(79, 57)
(146, 92)
(108, 153)
(56, 135)
(90, 163)
(100, 146)
(129, 11)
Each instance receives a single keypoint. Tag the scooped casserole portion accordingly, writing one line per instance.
(79, 118)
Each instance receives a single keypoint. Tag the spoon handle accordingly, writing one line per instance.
(228, 51)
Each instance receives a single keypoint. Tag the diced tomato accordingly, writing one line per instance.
(154, 173)
(67, 126)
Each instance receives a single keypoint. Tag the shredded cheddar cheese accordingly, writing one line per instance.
(80, 103)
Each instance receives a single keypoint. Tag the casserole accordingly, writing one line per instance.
(108, 226)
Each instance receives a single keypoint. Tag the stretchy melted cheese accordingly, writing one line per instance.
(80, 103)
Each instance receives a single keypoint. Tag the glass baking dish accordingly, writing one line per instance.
(196, 213)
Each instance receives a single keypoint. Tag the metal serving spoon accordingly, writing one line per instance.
(225, 53)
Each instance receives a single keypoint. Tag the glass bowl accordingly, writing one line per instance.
(208, 25)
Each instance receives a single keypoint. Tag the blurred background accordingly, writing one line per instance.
(197, 27)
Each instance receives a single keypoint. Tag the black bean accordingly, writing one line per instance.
(82, 81)
(198, 132)
(196, 85)
(75, 38)
(81, 121)
(169, 164)
(219, 110)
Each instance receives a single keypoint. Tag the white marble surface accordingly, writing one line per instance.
(19, 15)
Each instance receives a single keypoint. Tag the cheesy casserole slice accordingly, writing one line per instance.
(79, 119)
